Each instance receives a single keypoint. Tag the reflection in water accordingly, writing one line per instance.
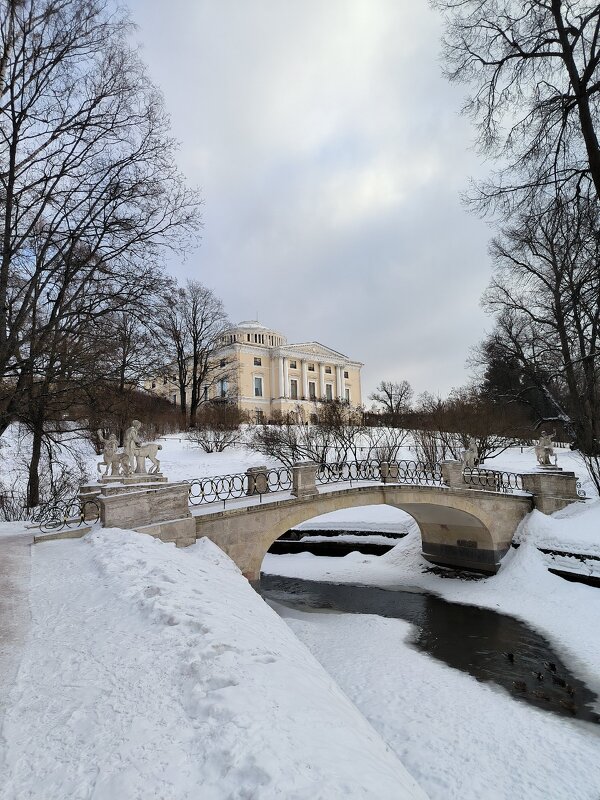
(490, 646)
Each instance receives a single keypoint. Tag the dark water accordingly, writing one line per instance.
(468, 638)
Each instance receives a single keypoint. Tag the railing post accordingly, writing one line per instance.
(304, 475)
(258, 481)
(389, 472)
(452, 473)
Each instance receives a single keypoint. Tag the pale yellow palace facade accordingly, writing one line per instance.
(268, 377)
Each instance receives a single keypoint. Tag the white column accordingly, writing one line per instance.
(322, 381)
(281, 377)
(304, 366)
(339, 375)
(286, 377)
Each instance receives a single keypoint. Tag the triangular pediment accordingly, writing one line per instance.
(316, 349)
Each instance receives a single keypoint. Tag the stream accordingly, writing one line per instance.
(488, 645)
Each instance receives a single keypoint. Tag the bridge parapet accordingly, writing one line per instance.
(551, 489)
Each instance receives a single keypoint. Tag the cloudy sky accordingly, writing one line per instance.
(331, 154)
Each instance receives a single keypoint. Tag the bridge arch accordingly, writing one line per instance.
(459, 527)
(455, 533)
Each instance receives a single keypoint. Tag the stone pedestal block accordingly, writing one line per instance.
(258, 481)
(304, 475)
(452, 473)
(389, 472)
(136, 506)
(551, 490)
(131, 480)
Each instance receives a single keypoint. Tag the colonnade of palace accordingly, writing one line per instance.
(306, 377)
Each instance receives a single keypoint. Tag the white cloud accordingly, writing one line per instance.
(330, 154)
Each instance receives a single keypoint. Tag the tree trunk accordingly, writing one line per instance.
(33, 484)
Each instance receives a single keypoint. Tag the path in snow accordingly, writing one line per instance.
(15, 565)
(153, 672)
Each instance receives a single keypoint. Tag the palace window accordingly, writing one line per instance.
(205, 393)
(258, 386)
(328, 370)
(347, 394)
(312, 390)
(257, 362)
(346, 374)
(293, 365)
(260, 417)
(311, 367)
(294, 389)
(223, 386)
(328, 391)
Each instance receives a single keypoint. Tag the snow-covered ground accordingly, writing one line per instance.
(461, 739)
(155, 672)
(152, 672)
(458, 737)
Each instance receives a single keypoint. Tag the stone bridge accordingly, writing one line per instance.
(458, 527)
(466, 518)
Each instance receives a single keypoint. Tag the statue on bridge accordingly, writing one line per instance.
(470, 456)
(132, 459)
(113, 461)
(544, 449)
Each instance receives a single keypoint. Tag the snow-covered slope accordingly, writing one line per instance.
(152, 672)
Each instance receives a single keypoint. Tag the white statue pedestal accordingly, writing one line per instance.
(128, 480)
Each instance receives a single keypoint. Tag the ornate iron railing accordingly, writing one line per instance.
(221, 488)
(403, 471)
(242, 484)
(347, 471)
(494, 480)
(72, 513)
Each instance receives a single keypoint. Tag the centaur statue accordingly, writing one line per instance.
(544, 449)
(133, 457)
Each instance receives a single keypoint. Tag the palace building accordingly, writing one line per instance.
(269, 377)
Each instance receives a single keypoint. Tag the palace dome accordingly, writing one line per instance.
(250, 331)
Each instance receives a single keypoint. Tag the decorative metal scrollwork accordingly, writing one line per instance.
(494, 480)
(71, 513)
(231, 487)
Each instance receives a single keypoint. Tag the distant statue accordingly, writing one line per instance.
(470, 457)
(131, 442)
(117, 463)
(544, 449)
(138, 451)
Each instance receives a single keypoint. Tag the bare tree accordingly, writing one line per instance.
(192, 320)
(534, 68)
(546, 295)
(91, 194)
(393, 397)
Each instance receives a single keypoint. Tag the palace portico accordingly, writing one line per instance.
(273, 376)
(268, 377)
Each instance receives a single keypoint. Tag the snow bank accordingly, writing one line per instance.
(575, 529)
(157, 672)
(461, 739)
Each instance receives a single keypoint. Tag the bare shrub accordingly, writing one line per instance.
(218, 426)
